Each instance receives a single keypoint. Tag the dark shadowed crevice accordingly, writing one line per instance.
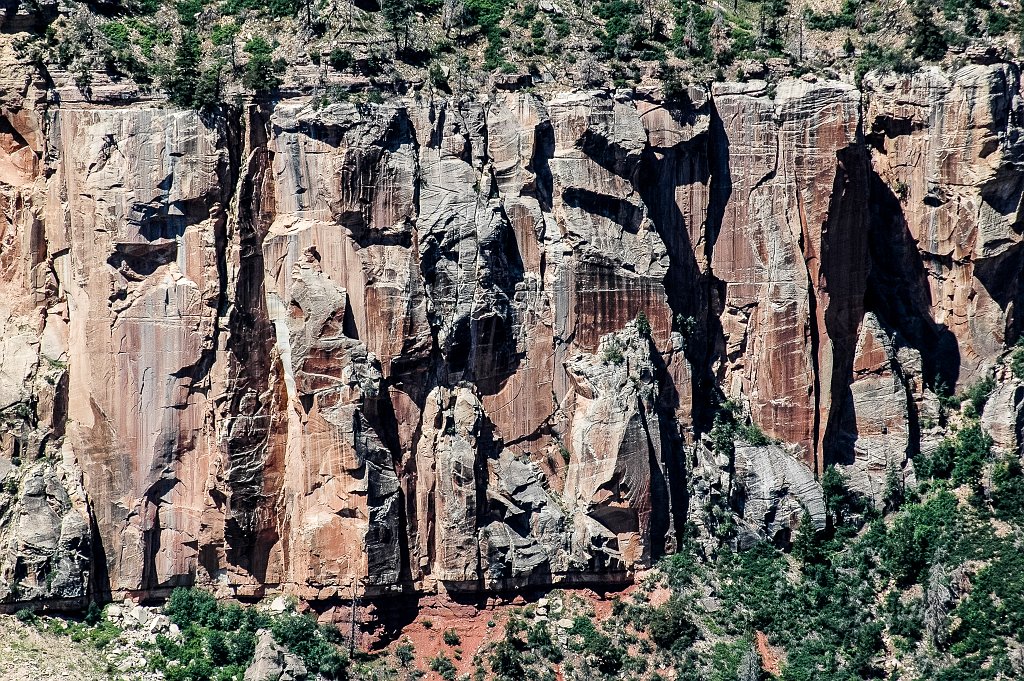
(845, 264)
(898, 290)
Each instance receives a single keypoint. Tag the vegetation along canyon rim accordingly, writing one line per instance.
(653, 340)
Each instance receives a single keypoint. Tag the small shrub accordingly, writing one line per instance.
(451, 637)
(895, 489)
(670, 626)
(93, 614)
(98, 636)
(303, 636)
(643, 325)
(846, 18)
(1017, 361)
(117, 35)
(883, 60)
(443, 665)
(188, 607)
(437, 78)
(927, 40)
(1008, 489)
(507, 660)
(977, 394)
(998, 23)
(340, 59)
(405, 653)
(612, 353)
(960, 457)
(752, 434)
(538, 639)
(224, 34)
(25, 615)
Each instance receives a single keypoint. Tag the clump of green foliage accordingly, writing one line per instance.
(271, 8)
(620, 17)
(444, 666)
(340, 59)
(643, 325)
(612, 353)
(218, 639)
(598, 648)
(26, 616)
(820, 605)
(262, 72)
(977, 394)
(846, 17)
(187, 84)
(927, 39)
(691, 36)
(1017, 360)
(671, 627)
(405, 653)
(316, 644)
(95, 630)
(730, 425)
(882, 59)
(772, 19)
(959, 458)
(487, 16)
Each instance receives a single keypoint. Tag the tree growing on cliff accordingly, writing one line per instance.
(187, 84)
(397, 15)
(643, 324)
(772, 26)
(451, 15)
(262, 72)
(927, 40)
(180, 83)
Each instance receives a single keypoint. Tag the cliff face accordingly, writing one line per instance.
(356, 350)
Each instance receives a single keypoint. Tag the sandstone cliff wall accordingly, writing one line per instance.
(366, 349)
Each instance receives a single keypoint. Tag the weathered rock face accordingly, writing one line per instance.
(768, 486)
(873, 435)
(791, 253)
(364, 349)
(1003, 417)
(947, 151)
(142, 299)
(271, 662)
(46, 540)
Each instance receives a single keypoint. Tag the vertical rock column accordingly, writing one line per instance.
(792, 253)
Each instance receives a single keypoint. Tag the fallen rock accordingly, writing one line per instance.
(271, 662)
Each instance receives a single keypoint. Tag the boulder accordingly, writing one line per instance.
(271, 662)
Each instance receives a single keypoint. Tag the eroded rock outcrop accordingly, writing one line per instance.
(271, 662)
(477, 343)
(44, 537)
(947, 149)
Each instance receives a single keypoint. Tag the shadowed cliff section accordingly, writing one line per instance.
(253, 462)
